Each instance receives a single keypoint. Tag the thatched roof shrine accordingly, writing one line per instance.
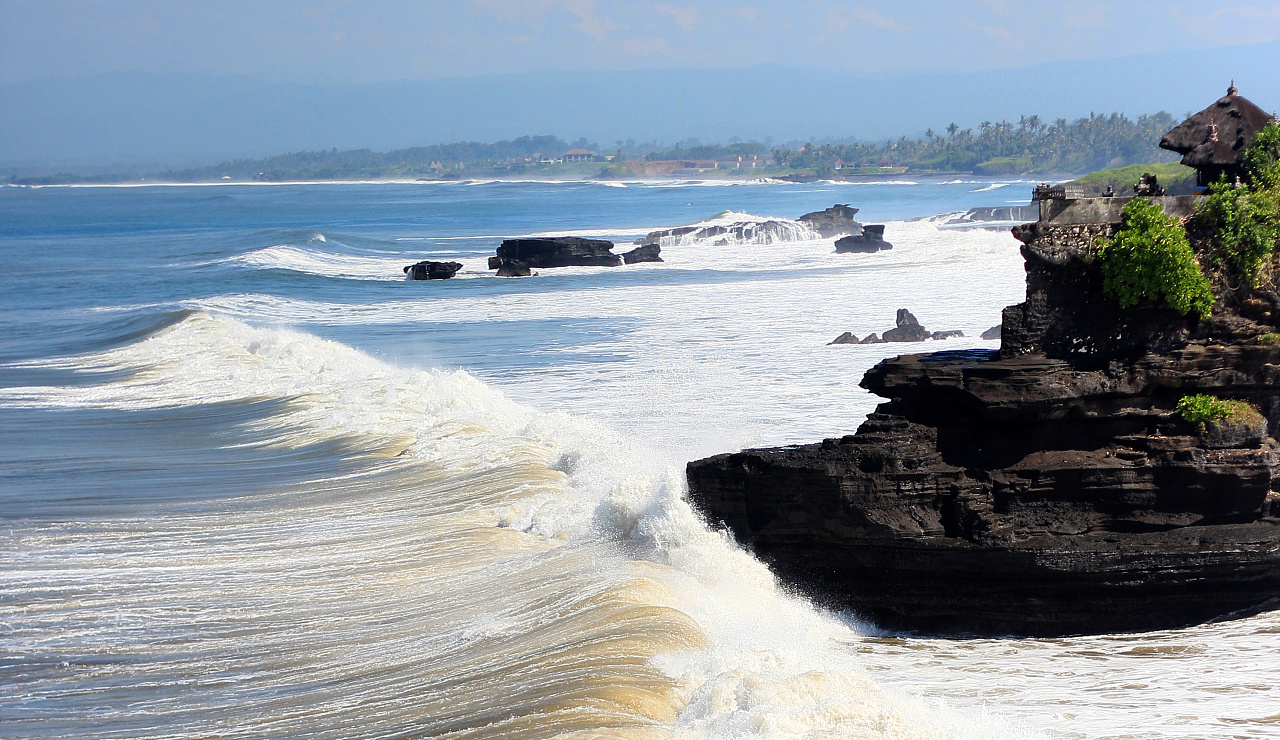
(1213, 141)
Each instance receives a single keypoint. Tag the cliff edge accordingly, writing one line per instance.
(1048, 488)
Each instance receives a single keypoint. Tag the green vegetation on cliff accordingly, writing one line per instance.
(1150, 262)
(1243, 220)
(1201, 408)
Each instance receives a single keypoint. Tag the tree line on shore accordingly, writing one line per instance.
(1028, 146)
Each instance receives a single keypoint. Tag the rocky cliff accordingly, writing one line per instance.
(1046, 488)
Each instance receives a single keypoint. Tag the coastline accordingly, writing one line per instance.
(906, 179)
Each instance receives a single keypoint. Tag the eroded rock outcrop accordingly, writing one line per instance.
(870, 238)
(430, 270)
(833, 221)
(645, 253)
(556, 251)
(1046, 488)
(907, 329)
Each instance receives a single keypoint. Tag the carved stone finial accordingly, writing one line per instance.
(1232, 90)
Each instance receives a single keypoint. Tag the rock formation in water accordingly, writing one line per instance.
(645, 253)
(870, 238)
(511, 269)
(556, 251)
(908, 329)
(429, 270)
(992, 333)
(834, 221)
(1049, 487)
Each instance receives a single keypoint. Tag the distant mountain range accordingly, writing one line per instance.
(148, 122)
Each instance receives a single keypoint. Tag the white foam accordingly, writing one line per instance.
(758, 664)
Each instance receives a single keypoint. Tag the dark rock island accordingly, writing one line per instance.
(515, 257)
(1107, 469)
(834, 221)
(870, 238)
(429, 270)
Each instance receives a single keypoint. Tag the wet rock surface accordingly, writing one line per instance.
(834, 221)
(1047, 488)
(556, 251)
(870, 238)
(645, 253)
(429, 270)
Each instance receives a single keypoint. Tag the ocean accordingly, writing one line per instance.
(254, 484)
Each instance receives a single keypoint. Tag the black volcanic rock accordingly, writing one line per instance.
(846, 338)
(834, 221)
(869, 239)
(1047, 488)
(558, 251)
(644, 253)
(511, 269)
(428, 270)
(908, 329)
(992, 333)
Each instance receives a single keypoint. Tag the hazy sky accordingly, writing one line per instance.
(332, 41)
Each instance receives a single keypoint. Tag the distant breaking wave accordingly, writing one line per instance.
(731, 228)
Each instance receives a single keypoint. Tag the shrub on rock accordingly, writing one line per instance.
(1150, 261)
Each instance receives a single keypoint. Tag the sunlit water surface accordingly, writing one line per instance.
(254, 484)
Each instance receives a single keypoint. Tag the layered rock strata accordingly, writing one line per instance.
(1047, 488)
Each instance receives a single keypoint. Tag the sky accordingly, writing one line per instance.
(370, 41)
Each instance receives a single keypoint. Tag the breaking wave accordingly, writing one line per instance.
(732, 228)
(490, 571)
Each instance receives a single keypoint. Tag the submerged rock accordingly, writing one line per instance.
(833, 221)
(511, 269)
(557, 251)
(645, 253)
(429, 270)
(870, 239)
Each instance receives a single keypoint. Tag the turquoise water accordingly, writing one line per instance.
(255, 484)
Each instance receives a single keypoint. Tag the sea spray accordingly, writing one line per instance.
(492, 572)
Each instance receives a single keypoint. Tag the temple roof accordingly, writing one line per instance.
(1219, 134)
